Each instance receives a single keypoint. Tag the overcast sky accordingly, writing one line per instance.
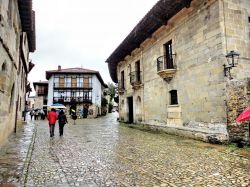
(82, 33)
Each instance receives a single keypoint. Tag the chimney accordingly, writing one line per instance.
(59, 68)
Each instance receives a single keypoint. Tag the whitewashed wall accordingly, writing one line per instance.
(97, 91)
(50, 91)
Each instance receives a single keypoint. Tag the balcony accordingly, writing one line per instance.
(70, 85)
(67, 100)
(121, 87)
(166, 67)
(42, 92)
(135, 79)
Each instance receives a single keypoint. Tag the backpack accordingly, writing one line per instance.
(62, 119)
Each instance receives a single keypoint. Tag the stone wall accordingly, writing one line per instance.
(9, 35)
(201, 37)
(12, 75)
(237, 37)
(199, 80)
(38, 102)
(238, 99)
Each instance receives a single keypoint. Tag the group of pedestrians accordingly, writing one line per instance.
(84, 111)
(36, 114)
(53, 117)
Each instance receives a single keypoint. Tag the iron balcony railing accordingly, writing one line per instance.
(165, 62)
(135, 77)
(68, 99)
(121, 86)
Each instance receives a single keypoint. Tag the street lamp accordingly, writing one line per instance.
(232, 60)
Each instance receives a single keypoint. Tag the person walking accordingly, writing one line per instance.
(36, 114)
(31, 114)
(52, 117)
(42, 114)
(62, 121)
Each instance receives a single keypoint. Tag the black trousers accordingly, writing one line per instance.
(51, 130)
(61, 129)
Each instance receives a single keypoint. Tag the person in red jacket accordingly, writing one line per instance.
(52, 117)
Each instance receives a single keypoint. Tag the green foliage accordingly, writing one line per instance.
(104, 102)
(112, 90)
(110, 107)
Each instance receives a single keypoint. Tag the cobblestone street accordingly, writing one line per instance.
(100, 152)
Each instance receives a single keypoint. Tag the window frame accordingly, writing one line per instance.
(168, 52)
(122, 79)
(173, 97)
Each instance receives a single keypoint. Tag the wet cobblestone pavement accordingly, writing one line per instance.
(100, 152)
(13, 155)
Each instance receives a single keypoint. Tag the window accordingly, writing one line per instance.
(73, 94)
(20, 104)
(80, 82)
(67, 82)
(4, 68)
(249, 26)
(22, 79)
(86, 82)
(122, 80)
(61, 81)
(129, 71)
(169, 55)
(138, 71)
(56, 82)
(73, 82)
(12, 98)
(173, 97)
(56, 94)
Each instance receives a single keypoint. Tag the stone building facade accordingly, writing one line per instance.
(170, 69)
(17, 39)
(41, 97)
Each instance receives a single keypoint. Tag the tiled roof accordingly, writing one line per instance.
(154, 19)
(41, 82)
(27, 16)
(75, 71)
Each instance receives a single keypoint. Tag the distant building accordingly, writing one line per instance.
(17, 40)
(173, 73)
(31, 103)
(41, 97)
(76, 86)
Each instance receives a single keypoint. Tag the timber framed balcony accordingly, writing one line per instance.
(136, 79)
(41, 92)
(166, 68)
(121, 87)
(69, 85)
(67, 100)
